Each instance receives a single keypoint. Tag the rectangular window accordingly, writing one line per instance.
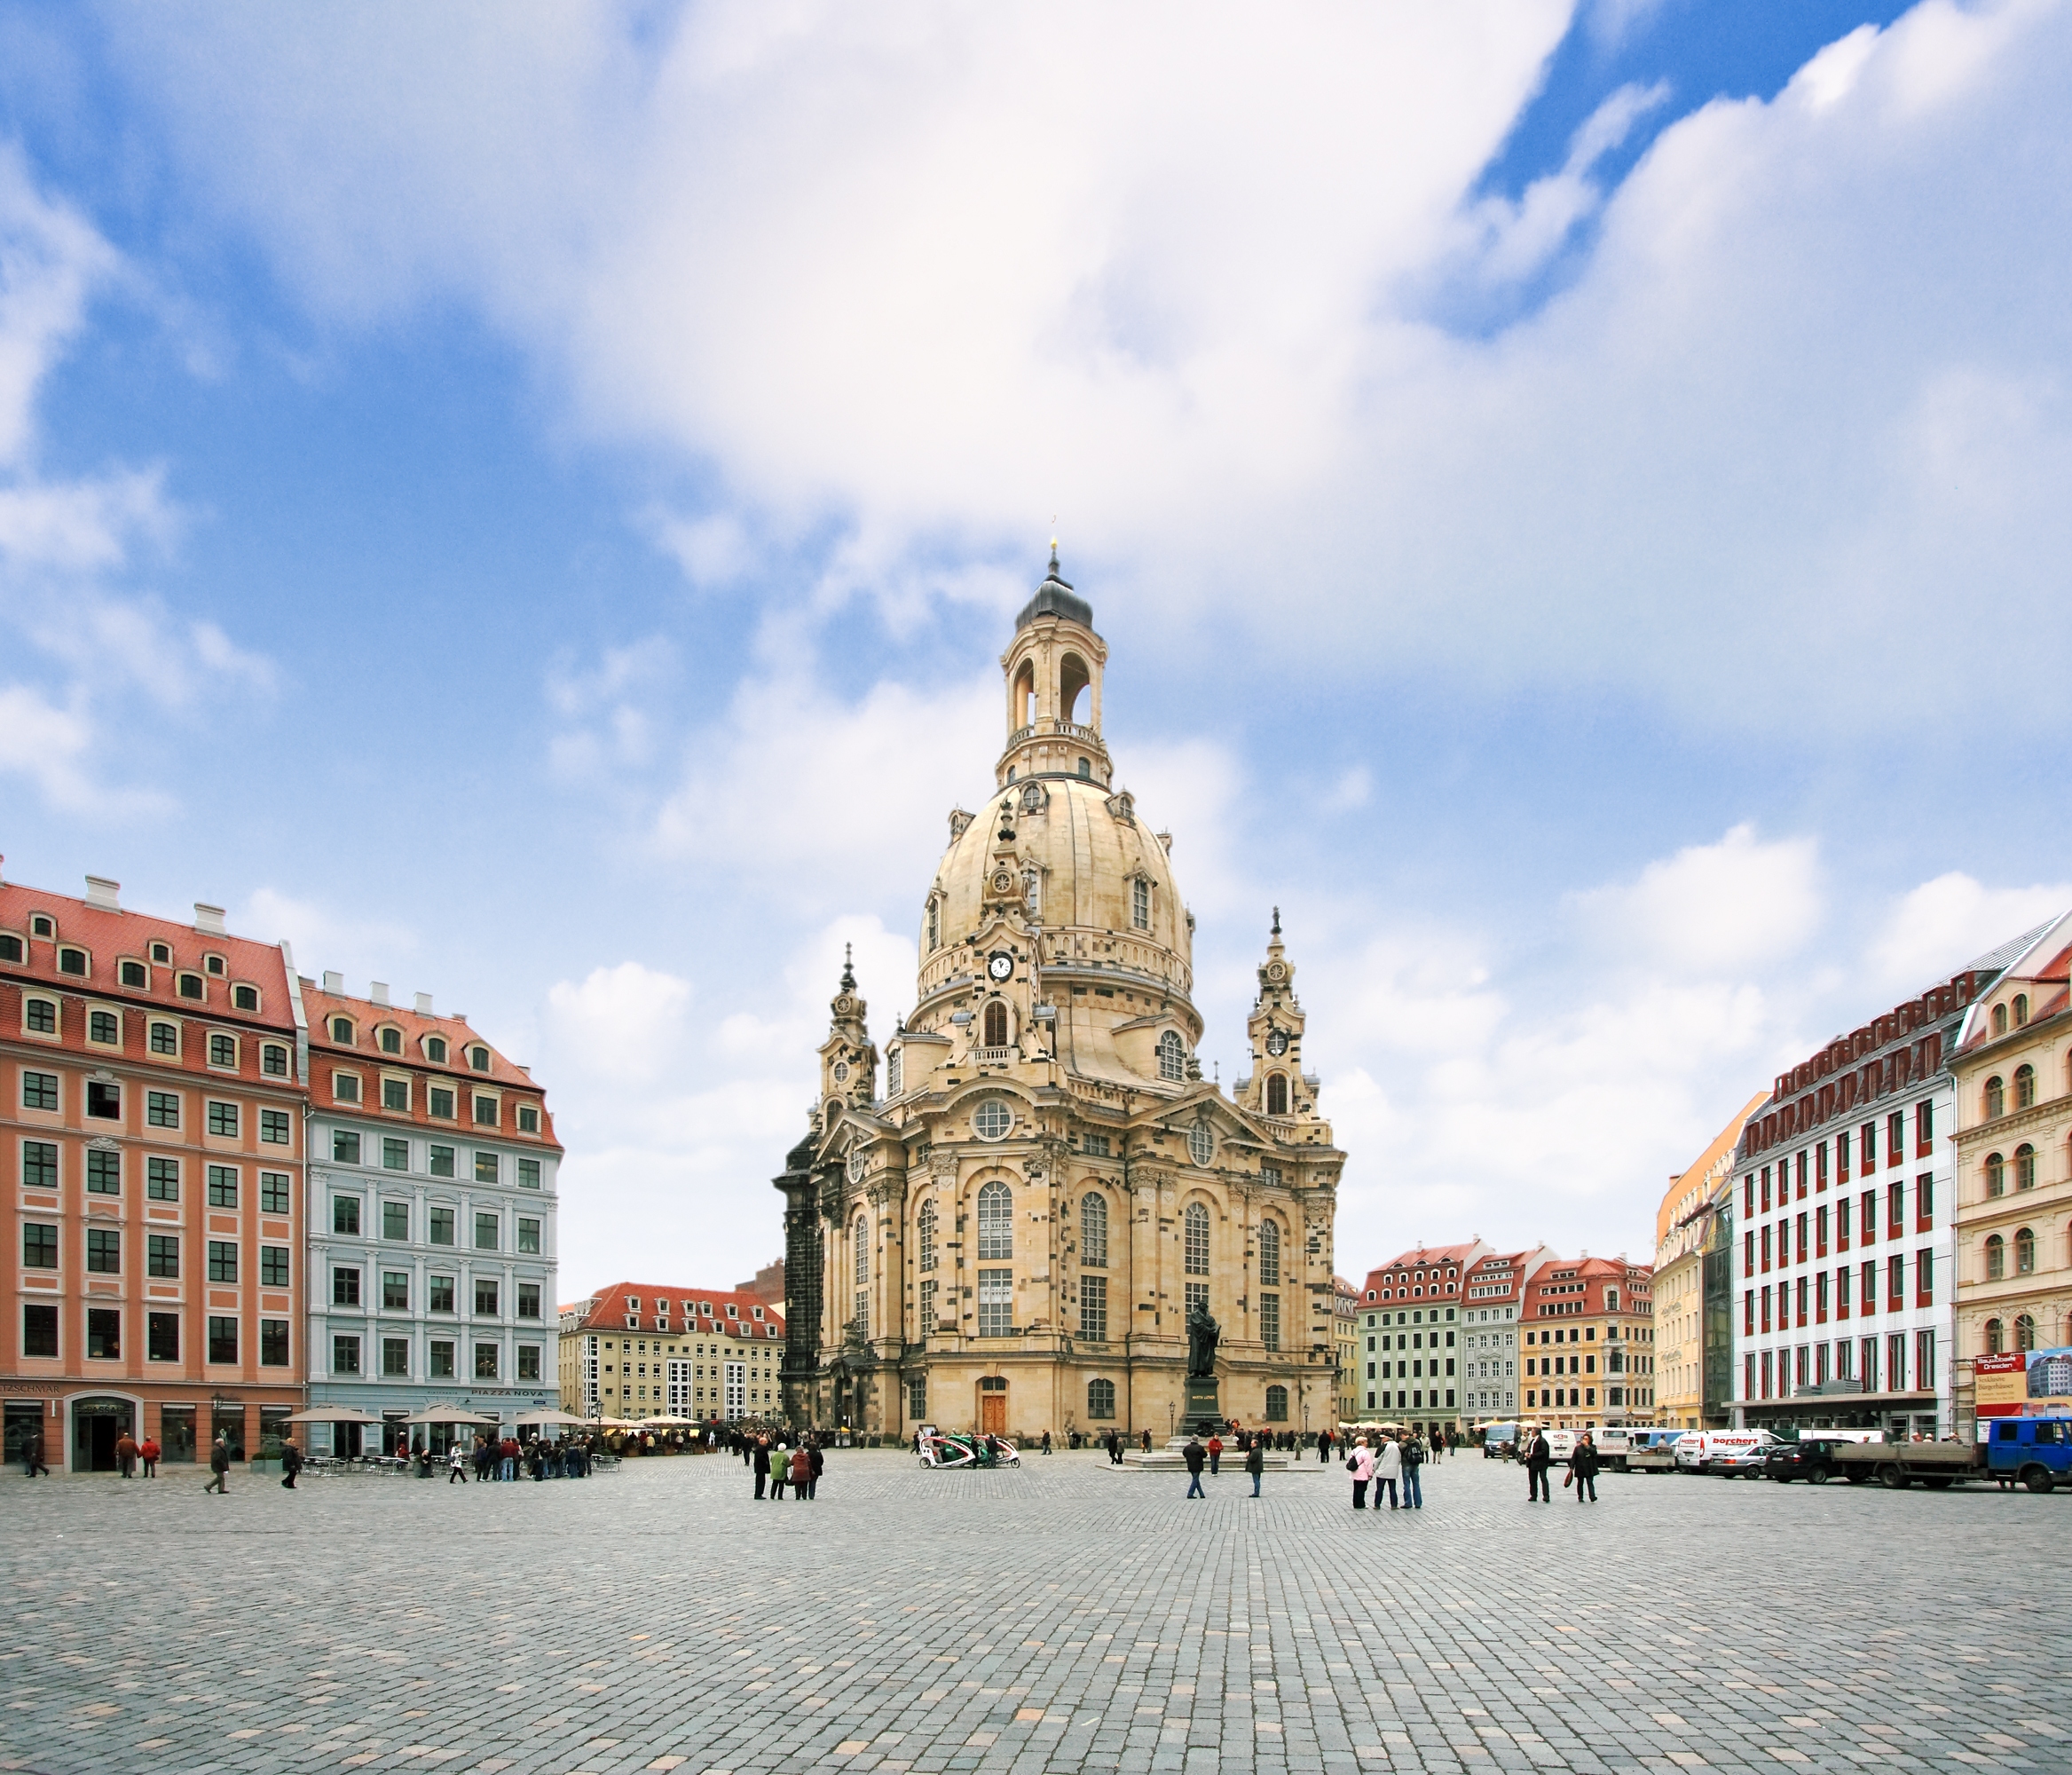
(345, 1087)
(396, 1355)
(223, 1340)
(344, 1146)
(1924, 1201)
(528, 1173)
(223, 1051)
(1748, 1376)
(1867, 1148)
(1841, 1158)
(222, 1119)
(165, 1038)
(528, 1118)
(1867, 1220)
(161, 1180)
(529, 1237)
(1896, 1218)
(1895, 1137)
(39, 1090)
(485, 1298)
(528, 1361)
(1841, 1224)
(104, 1333)
(1820, 1232)
(344, 1287)
(104, 1100)
(1748, 1312)
(273, 1343)
(1270, 1320)
(104, 1250)
(486, 1230)
(1093, 1307)
(1924, 1130)
(485, 1167)
(1765, 1307)
(441, 1363)
(1820, 1298)
(486, 1112)
(441, 1102)
(996, 1303)
(39, 1331)
(103, 1173)
(1801, 1177)
(161, 1255)
(440, 1226)
(395, 1221)
(442, 1161)
(395, 1291)
(345, 1214)
(39, 1164)
(1140, 903)
(528, 1300)
(1765, 1247)
(1801, 1228)
(162, 1337)
(223, 1260)
(272, 1192)
(1924, 1278)
(223, 1187)
(395, 1154)
(1868, 1275)
(485, 1362)
(1820, 1166)
(441, 1289)
(1925, 1362)
(273, 1266)
(395, 1094)
(273, 1061)
(1895, 1282)
(273, 1127)
(39, 1246)
(344, 1354)
(1895, 1362)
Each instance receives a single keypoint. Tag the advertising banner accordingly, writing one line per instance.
(2019, 1381)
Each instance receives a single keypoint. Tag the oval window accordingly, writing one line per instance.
(1200, 1143)
(991, 1120)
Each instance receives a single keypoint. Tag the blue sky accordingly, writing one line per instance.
(526, 504)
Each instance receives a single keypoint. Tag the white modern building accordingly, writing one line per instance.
(432, 1181)
(1845, 1198)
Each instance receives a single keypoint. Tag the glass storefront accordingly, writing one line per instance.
(25, 1417)
(98, 1423)
(228, 1416)
(175, 1432)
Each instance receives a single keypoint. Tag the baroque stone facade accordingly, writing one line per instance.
(1007, 1231)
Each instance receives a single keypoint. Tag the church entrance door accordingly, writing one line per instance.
(993, 1413)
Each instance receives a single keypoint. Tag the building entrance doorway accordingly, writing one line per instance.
(97, 1426)
(993, 1406)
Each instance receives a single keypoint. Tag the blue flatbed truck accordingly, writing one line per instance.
(2034, 1452)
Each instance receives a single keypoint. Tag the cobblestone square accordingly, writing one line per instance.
(1058, 1618)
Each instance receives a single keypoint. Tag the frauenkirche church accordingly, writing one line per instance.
(1009, 1234)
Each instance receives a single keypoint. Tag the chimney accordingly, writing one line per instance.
(334, 981)
(378, 990)
(424, 1005)
(103, 895)
(208, 920)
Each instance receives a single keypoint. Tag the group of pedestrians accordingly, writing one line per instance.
(1396, 1466)
(130, 1454)
(775, 1466)
(1198, 1455)
(1583, 1466)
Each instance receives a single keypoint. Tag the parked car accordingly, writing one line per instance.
(1748, 1463)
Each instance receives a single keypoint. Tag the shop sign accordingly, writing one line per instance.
(2023, 1381)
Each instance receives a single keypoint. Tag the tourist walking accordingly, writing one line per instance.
(1046, 1441)
(32, 1454)
(219, 1465)
(1324, 1440)
(1114, 1447)
(780, 1468)
(818, 1466)
(1194, 1455)
(456, 1464)
(1215, 1453)
(1255, 1464)
(1582, 1468)
(801, 1472)
(760, 1462)
(291, 1463)
(1361, 1465)
(148, 1451)
(126, 1454)
(1539, 1457)
(1412, 1486)
(1387, 1465)
(508, 1450)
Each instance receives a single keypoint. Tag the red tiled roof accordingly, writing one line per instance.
(611, 1307)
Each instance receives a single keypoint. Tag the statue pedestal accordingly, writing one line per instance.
(1202, 1415)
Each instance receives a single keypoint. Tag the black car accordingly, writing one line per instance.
(1812, 1461)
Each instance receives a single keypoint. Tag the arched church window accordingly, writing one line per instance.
(1085, 769)
(860, 1237)
(996, 1220)
(1200, 1143)
(934, 925)
(1277, 1405)
(1093, 1231)
(1032, 889)
(1100, 1399)
(1269, 1254)
(925, 1231)
(1194, 1225)
(995, 1024)
(893, 1069)
(1277, 1093)
(1172, 1057)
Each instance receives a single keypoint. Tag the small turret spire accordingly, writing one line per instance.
(849, 967)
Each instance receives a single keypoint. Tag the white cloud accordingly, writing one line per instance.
(625, 1021)
(325, 938)
(1715, 908)
(1943, 923)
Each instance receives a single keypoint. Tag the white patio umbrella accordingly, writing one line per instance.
(665, 1421)
(550, 1415)
(332, 1414)
(449, 1414)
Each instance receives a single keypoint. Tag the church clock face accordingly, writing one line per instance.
(1277, 1042)
(999, 965)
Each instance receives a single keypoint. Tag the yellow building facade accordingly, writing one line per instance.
(1695, 1219)
(1008, 1230)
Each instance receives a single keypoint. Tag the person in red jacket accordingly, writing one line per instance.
(148, 1451)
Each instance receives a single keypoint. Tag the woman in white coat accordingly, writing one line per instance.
(1386, 1470)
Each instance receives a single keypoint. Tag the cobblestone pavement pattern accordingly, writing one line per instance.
(1057, 1618)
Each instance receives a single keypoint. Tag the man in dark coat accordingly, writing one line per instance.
(1583, 1467)
(762, 1463)
(1196, 1457)
(219, 1465)
(1255, 1464)
(1539, 1457)
(291, 1463)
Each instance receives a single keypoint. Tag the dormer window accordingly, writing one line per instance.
(191, 986)
(479, 1058)
(41, 925)
(72, 961)
(134, 974)
(214, 964)
(244, 998)
(163, 954)
(341, 1030)
(1172, 1057)
(434, 1050)
(528, 1118)
(392, 1041)
(1140, 903)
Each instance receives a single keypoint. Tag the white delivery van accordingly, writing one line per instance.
(1701, 1451)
